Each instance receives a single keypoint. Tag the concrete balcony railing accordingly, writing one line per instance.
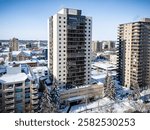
(9, 96)
(34, 91)
(34, 86)
(35, 101)
(35, 106)
(9, 107)
(9, 101)
(34, 96)
(11, 89)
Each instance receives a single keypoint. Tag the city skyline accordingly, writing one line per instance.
(27, 19)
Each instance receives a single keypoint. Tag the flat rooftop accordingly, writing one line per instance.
(10, 78)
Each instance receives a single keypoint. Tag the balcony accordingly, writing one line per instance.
(34, 91)
(9, 95)
(35, 107)
(8, 107)
(10, 89)
(35, 96)
(34, 86)
(10, 111)
(35, 101)
(9, 101)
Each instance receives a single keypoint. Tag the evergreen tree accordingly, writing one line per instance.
(109, 87)
(136, 91)
(50, 101)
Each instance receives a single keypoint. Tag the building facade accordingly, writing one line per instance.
(18, 91)
(96, 46)
(14, 45)
(134, 53)
(69, 47)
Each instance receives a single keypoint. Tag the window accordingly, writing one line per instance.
(59, 17)
(59, 50)
(59, 63)
(59, 21)
(59, 25)
(64, 22)
(64, 51)
(64, 38)
(59, 71)
(59, 30)
(63, 74)
(59, 38)
(64, 26)
(59, 42)
(59, 34)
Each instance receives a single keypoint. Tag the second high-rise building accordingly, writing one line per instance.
(134, 54)
(69, 47)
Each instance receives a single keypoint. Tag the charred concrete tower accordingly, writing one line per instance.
(69, 47)
(134, 53)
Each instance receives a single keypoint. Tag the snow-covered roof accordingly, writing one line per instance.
(10, 78)
(15, 53)
(26, 53)
(25, 61)
(104, 65)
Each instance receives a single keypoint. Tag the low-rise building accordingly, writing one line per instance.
(82, 93)
(18, 91)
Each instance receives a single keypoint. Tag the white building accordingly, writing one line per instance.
(69, 47)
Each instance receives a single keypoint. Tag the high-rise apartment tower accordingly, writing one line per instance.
(69, 47)
(134, 53)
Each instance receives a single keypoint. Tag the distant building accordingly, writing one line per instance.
(134, 53)
(14, 45)
(108, 45)
(20, 55)
(18, 91)
(45, 52)
(96, 46)
(69, 47)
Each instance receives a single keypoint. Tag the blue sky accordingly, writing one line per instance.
(27, 19)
